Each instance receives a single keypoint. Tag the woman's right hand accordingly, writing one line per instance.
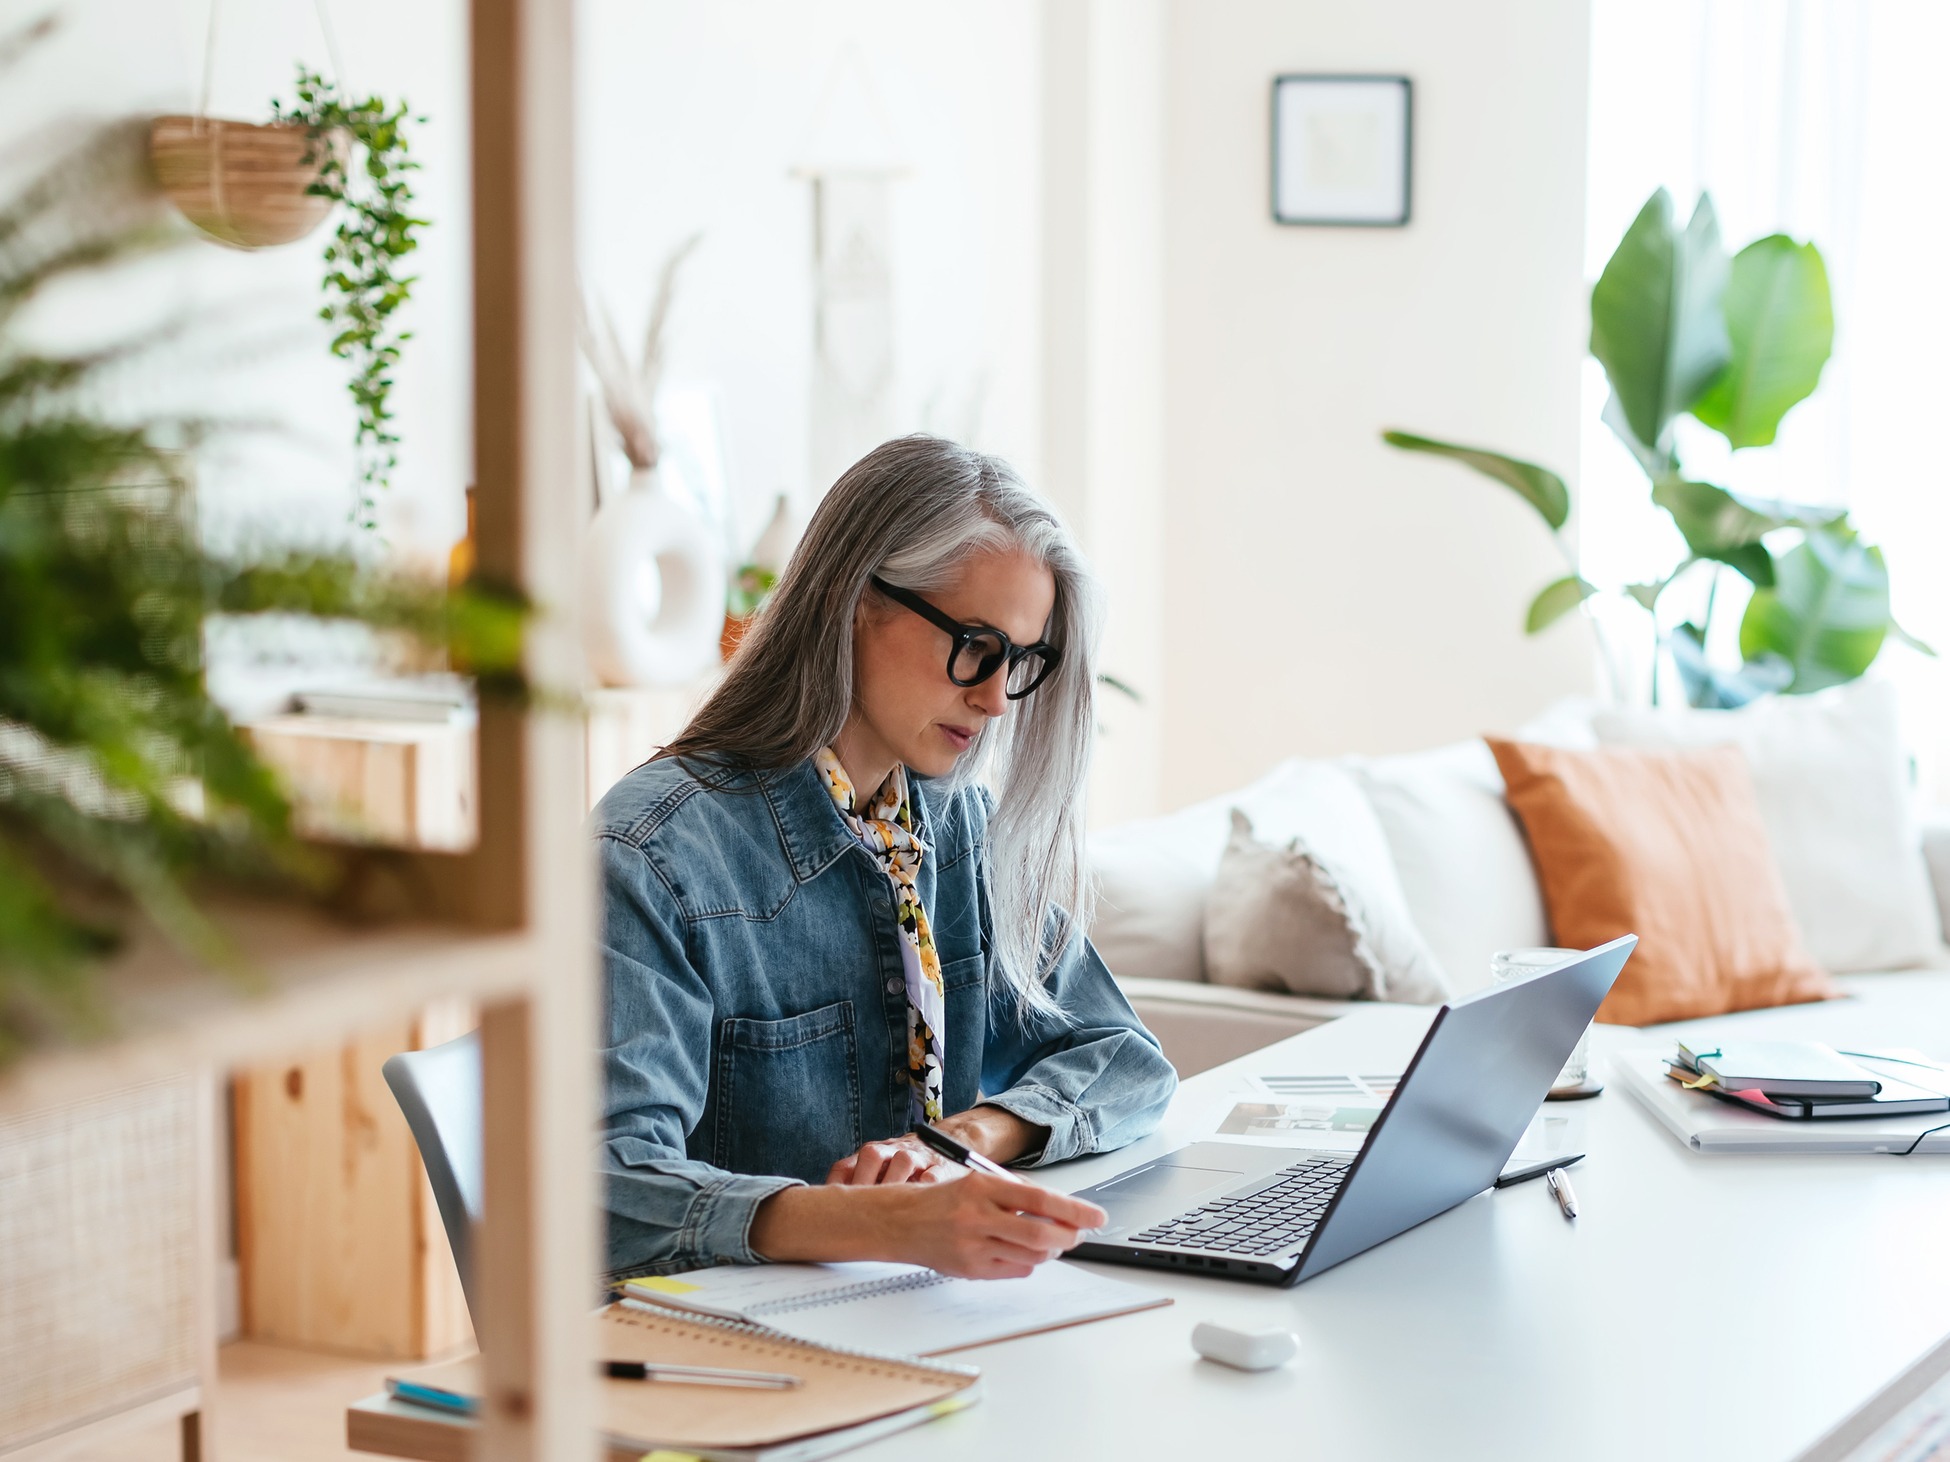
(977, 1227)
(985, 1227)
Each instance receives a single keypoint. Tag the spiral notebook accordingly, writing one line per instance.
(844, 1397)
(898, 1308)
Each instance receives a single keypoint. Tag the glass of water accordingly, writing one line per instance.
(1509, 965)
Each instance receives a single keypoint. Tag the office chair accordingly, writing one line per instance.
(439, 1090)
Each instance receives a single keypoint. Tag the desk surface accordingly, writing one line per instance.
(1732, 1307)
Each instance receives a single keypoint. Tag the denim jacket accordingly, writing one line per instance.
(756, 1023)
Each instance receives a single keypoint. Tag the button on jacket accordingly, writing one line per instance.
(756, 1023)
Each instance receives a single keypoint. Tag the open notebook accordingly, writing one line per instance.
(898, 1308)
(844, 1399)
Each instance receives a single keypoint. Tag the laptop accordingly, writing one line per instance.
(1281, 1215)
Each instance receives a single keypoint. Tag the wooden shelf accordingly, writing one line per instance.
(316, 979)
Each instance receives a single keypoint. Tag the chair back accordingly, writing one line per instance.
(439, 1090)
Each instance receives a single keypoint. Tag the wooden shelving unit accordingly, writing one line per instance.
(509, 924)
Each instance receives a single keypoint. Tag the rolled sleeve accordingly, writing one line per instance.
(1092, 1075)
(668, 1214)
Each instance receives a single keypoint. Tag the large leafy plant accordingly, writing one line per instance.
(1736, 343)
(377, 230)
(121, 781)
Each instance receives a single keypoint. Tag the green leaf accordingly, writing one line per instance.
(1654, 462)
(1555, 600)
(1543, 489)
(1719, 526)
(1709, 688)
(1827, 613)
(1656, 322)
(1905, 637)
(1647, 595)
(1781, 325)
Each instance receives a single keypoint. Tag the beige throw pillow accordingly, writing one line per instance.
(1278, 918)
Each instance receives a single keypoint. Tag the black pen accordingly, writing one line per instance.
(940, 1142)
(935, 1140)
(636, 1370)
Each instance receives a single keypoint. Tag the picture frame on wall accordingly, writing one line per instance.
(1342, 150)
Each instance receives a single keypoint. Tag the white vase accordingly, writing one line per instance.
(653, 588)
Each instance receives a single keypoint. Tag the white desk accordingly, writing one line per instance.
(1691, 1311)
(1500, 1330)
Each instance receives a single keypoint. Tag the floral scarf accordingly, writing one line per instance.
(886, 829)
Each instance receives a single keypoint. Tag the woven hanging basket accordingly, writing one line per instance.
(242, 183)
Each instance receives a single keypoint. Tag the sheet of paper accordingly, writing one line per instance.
(1336, 1113)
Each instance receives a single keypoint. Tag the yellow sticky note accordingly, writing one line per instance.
(661, 1285)
(660, 1455)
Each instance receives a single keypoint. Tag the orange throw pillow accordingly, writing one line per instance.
(1667, 845)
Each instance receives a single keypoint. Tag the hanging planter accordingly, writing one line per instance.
(377, 230)
(246, 184)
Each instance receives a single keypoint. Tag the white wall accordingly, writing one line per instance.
(257, 349)
(1324, 593)
(1104, 67)
(694, 116)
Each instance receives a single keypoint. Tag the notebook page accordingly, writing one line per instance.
(757, 1291)
(951, 1314)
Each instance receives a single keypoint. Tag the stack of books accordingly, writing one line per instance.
(1801, 1080)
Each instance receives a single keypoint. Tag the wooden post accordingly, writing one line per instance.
(537, 1250)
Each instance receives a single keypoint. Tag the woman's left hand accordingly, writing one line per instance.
(896, 1160)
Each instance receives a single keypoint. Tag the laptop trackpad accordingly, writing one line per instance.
(1158, 1181)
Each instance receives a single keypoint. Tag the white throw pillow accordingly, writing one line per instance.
(1281, 917)
(1459, 854)
(1832, 779)
(1152, 876)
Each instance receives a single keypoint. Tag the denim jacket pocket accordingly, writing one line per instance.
(805, 1065)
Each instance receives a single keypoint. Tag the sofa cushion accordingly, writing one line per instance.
(1152, 876)
(1668, 845)
(1832, 781)
(1459, 854)
(1280, 916)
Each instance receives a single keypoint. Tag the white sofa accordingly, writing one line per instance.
(1463, 868)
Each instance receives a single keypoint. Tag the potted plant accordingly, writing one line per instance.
(122, 784)
(1737, 343)
(245, 184)
(257, 184)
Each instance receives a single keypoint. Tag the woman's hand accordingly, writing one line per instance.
(897, 1160)
(985, 1227)
(977, 1227)
(998, 1135)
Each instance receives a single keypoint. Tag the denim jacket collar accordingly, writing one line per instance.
(810, 825)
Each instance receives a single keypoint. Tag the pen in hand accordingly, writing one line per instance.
(939, 1142)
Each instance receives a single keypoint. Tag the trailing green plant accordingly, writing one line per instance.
(377, 229)
(1737, 343)
(121, 780)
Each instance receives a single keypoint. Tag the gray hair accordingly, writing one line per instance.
(912, 511)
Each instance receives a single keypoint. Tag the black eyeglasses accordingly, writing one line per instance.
(976, 651)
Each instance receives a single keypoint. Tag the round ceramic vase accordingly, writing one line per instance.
(653, 592)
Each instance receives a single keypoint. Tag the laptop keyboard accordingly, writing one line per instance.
(1273, 1218)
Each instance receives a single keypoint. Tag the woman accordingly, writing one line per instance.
(820, 926)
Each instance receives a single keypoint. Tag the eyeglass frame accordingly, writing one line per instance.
(960, 634)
